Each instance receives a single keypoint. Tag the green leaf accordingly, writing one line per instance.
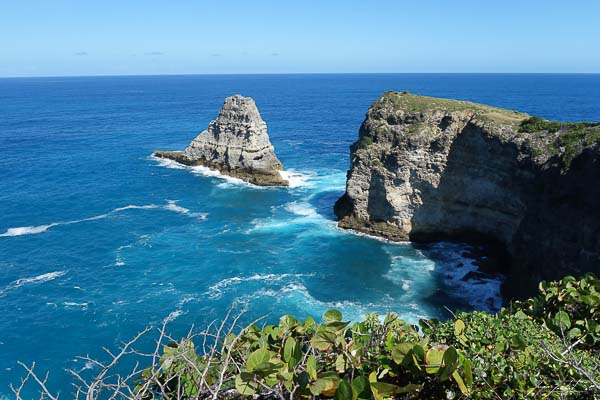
(419, 352)
(332, 315)
(256, 358)
(468, 372)
(460, 382)
(400, 351)
(341, 364)
(303, 379)
(311, 367)
(323, 340)
(289, 349)
(325, 386)
(288, 323)
(266, 368)
(361, 389)
(518, 342)
(574, 333)
(459, 327)
(373, 377)
(337, 325)
(450, 361)
(520, 315)
(344, 391)
(309, 323)
(387, 389)
(433, 361)
(384, 389)
(244, 384)
(562, 320)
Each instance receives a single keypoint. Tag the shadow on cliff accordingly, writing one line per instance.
(535, 221)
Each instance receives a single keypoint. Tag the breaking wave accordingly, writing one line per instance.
(32, 281)
(216, 291)
(169, 206)
(459, 274)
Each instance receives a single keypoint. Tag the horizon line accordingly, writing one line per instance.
(295, 73)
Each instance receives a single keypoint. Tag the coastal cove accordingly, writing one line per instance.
(98, 238)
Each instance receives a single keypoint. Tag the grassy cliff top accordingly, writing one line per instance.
(415, 103)
(566, 139)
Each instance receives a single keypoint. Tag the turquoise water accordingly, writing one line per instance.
(98, 239)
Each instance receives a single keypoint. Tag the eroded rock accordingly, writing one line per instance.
(236, 144)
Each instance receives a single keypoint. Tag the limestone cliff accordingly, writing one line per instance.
(428, 169)
(235, 144)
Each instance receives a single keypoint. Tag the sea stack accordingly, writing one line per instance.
(235, 144)
(427, 169)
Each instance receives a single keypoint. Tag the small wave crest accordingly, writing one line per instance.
(216, 291)
(295, 179)
(297, 296)
(303, 214)
(170, 206)
(459, 274)
(32, 281)
(168, 163)
(27, 230)
(301, 208)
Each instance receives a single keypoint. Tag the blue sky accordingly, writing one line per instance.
(109, 37)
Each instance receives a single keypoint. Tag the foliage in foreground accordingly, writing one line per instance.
(546, 347)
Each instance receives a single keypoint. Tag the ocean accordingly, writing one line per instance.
(99, 240)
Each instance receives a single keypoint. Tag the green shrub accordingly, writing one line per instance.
(518, 353)
(365, 142)
(578, 136)
(537, 124)
(569, 307)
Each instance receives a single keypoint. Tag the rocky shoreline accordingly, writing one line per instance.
(428, 169)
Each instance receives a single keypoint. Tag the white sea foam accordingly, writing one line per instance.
(295, 179)
(40, 278)
(216, 290)
(205, 171)
(202, 171)
(419, 270)
(119, 262)
(33, 280)
(170, 206)
(303, 214)
(86, 366)
(72, 304)
(168, 163)
(27, 230)
(173, 316)
(130, 207)
(296, 294)
(301, 208)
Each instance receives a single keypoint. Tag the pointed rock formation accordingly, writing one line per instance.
(235, 144)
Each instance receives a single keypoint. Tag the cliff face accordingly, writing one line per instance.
(236, 144)
(429, 169)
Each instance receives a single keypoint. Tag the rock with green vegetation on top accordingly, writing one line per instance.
(427, 169)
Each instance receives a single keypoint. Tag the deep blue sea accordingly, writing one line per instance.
(99, 240)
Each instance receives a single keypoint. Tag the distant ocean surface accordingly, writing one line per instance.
(99, 240)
